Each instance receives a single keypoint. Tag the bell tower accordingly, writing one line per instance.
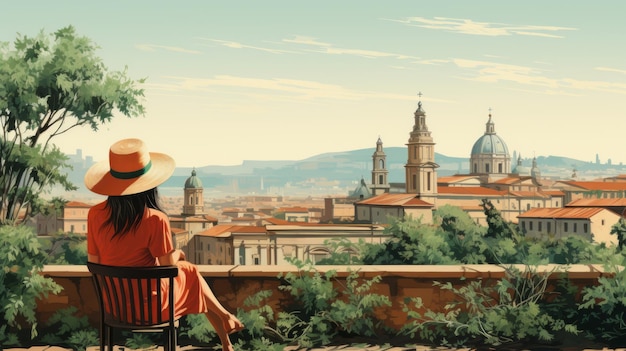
(194, 202)
(380, 183)
(421, 169)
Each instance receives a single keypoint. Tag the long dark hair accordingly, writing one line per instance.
(126, 211)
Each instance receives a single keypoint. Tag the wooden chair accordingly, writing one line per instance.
(130, 298)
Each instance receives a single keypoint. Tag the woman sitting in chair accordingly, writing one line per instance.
(130, 229)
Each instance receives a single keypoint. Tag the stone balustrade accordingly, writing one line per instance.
(233, 284)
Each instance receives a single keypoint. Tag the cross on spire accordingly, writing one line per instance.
(490, 111)
(420, 95)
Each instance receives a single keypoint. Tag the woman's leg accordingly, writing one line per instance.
(223, 321)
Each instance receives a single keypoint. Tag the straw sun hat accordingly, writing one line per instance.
(131, 169)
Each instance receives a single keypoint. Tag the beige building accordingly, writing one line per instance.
(587, 222)
(275, 241)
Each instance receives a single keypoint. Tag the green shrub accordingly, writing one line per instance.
(603, 308)
(66, 329)
(21, 284)
(513, 310)
(325, 312)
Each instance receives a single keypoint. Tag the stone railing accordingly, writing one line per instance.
(233, 284)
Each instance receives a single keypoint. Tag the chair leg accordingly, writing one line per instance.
(173, 339)
(102, 341)
(109, 333)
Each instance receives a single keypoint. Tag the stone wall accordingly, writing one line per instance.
(233, 284)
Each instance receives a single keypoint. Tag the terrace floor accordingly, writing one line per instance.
(346, 347)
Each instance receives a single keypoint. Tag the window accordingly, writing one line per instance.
(603, 222)
(428, 181)
(527, 207)
(487, 168)
(548, 227)
(539, 226)
(524, 226)
(575, 227)
(500, 168)
(475, 168)
(414, 182)
(557, 204)
(585, 228)
(565, 227)
(381, 164)
(530, 225)
(381, 179)
(72, 228)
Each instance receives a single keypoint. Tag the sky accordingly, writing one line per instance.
(228, 81)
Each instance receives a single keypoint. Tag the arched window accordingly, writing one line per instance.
(487, 168)
(191, 199)
(381, 164)
(475, 168)
(381, 179)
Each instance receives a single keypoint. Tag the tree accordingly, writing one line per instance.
(49, 85)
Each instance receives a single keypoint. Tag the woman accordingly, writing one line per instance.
(130, 229)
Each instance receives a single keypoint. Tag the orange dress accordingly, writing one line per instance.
(140, 247)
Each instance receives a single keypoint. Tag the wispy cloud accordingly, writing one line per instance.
(237, 45)
(272, 89)
(327, 48)
(493, 72)
(300, 39)
(608, 69)
(153, 47)
(468, 26)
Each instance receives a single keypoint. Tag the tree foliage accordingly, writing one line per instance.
(49, 85)
(21, 284)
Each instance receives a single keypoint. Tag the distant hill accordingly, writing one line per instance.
(346, 168)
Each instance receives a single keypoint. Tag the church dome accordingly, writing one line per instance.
(490, 143)
(193, 182)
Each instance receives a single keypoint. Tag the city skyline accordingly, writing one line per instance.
(234, 81)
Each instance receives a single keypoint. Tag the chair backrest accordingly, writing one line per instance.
(133, 295)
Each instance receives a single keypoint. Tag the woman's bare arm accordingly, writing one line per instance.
(171, 258)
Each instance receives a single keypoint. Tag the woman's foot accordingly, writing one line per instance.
(232, 325)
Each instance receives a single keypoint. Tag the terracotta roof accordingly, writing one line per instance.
(597, 203)
(293, 209)
(201, 219)
(511, 180)
(554, 192)
(77, 204)
(454, 179)
(222, 229)
(520, 193)
(273, 220)
(470, 190)
(562, 212)
(606, 186)
(177, 230)
(388, 199)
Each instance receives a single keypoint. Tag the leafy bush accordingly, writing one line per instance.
(325, 312)
(603, 308)
(21, 285)
(64, 328)
(511, 310)
(68, 248)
